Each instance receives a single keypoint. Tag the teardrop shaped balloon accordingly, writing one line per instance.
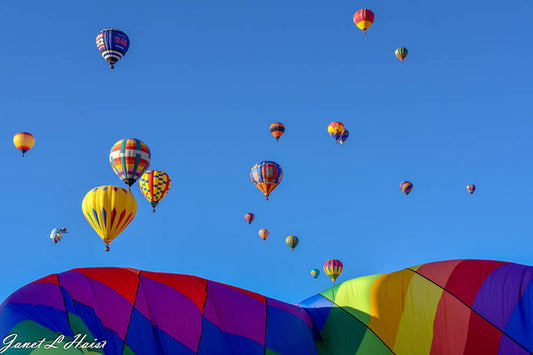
(336, 129)
(344, 137)
(154, 185)
(406, 187)
(109, 210)
(249, 217)
(23, 141)
(292, 241)
(266, 176)
(315, 273)
(263, 233)
(401, 53)
(113, 45)
(363, 19)
(470, 188)
(333, 269)
(277, 129)
(130, 158)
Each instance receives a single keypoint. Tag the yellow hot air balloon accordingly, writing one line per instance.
(23, 141)
(109, 210)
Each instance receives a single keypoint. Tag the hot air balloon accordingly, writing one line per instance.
(363, 19)
(130, 158)
(333, 269)
(23, 141)
(406, 187)
(154, 185)
(115, 310)
(266, 175)
(263, 233)
(344, 137)
(470, 188)
(292, 241)
(109, 210)
(57, 234)
(401, 53)
(315, 273)
(336, 130)
(249, 217)
(113, 45)
(277, 129)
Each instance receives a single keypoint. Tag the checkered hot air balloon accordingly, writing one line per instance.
(113, 45)
(336, 130)
(109, 210)
(266, 175)
(23, 141)
(363, 19)
(333, 269)
(406, 187)
(130, 158)
(154, 185)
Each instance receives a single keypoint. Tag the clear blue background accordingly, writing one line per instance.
(201, 84)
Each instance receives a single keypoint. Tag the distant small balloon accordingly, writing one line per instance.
(263, 233)
(333, 269)
(23, 141)
(344, 137)
(292, 241)
(315, 273)
(363, 19)
(401, 53)
(277, 129)
(406, 187)
(249, 217)
(470, 188)
(336, 129)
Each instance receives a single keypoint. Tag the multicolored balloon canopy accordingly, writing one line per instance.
(336, 129)
(406, 187)
(249, 217)
(266, 176)
(292, 241)
(470, 188)
(113, 45)
(315, 273)
(363, 19)
(344, 137)
(277, 129)
(263, 233)
(109, 210)
(154, 185)
(130, 158)
(24, 141)
(333, 269)
(401, 53)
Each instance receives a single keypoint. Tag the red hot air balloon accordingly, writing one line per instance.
(363, 19)
(249, 217)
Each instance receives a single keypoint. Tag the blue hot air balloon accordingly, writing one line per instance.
(112, 44)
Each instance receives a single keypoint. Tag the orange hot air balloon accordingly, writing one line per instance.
(277, 129)
(263, 233)
(23, 141)
(363, 19)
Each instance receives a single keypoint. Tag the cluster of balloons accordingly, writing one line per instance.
(407, 186)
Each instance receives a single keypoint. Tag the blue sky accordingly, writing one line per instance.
(201, 84)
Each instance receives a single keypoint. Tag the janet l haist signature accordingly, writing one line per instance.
(78, 342)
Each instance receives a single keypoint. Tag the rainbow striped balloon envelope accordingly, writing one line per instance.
(447, 307)
(128, 311)
(130, 158)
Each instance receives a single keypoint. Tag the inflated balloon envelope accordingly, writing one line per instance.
(447, 307)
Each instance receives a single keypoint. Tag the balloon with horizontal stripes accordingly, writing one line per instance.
(333, 269)
(113, 45)
(109, 210)
(154, 185)
(277, 129)
(130, 158)
(266, 176)
(24, 141)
